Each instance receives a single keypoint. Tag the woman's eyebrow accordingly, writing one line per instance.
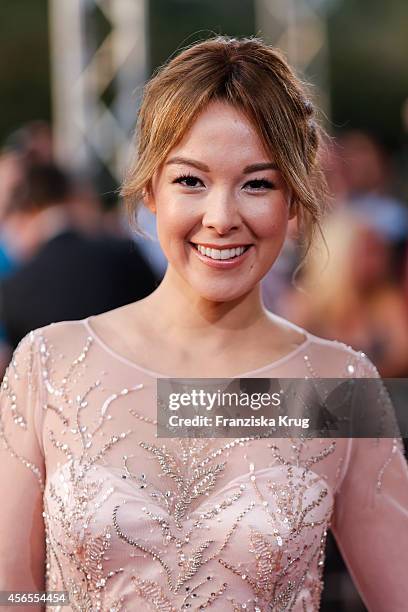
(188, 162)
(259, 167)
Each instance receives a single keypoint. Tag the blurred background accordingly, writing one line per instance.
(72, 72)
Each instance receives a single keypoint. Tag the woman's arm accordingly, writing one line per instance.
(22, 473)
(370, 521)
(371, 524)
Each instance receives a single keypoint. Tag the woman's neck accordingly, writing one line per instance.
(186, 317)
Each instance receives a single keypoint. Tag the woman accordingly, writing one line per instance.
(227, 153)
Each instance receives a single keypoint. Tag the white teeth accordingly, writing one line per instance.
(220, 253)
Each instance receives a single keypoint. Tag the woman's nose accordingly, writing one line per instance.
(222, 213)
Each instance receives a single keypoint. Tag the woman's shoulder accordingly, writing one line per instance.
(68, 343)
(338, 359)
(61, 332)
(330, 358)
(60, 341)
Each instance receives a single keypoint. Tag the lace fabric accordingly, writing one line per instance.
(95, 504)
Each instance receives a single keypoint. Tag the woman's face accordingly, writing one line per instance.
(222, 206)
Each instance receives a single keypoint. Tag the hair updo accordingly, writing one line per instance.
(255, 79)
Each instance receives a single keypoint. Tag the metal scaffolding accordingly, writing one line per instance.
(299, 29)
(90, 129)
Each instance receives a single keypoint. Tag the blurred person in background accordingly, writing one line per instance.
(350, 294)
(68, 274)
(367, 167)
(11, 173)
(12, 237)
(32, 143)
(360, 277)
(369, 189)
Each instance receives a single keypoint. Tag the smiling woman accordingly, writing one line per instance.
(122, 520)
(257, 82)
(220, 201)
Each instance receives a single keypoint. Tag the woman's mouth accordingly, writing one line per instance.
(222, 258)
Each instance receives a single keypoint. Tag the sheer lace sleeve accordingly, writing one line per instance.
(371, 513)
(22, 538)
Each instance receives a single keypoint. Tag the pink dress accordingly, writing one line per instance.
(95, 504)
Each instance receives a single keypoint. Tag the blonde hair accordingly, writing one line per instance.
(255, 79)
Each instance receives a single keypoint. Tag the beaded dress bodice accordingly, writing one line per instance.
(134, 522)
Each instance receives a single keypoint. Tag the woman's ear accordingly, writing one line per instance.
(148, 199)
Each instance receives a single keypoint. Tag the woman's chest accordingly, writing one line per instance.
(248, 516)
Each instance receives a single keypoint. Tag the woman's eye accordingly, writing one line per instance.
(258, 184)
(189, 181)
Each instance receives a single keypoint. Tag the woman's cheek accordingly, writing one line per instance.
(273, 225)
(173, 233)
(271, 216)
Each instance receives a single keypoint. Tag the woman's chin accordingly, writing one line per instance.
(222, 294)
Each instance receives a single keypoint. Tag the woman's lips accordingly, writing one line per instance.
(221, 264)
